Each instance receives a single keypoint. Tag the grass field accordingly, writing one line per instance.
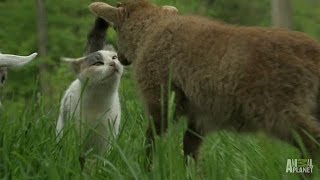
(28, 149)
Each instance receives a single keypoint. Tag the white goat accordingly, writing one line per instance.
(12, 61)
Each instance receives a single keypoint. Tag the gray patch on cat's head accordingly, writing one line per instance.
(79, 64)
(93, 58)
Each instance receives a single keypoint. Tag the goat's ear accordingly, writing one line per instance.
(105, 11)
(75, 63)
(170, 9)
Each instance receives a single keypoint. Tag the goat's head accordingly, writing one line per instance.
(11, 61)
(124, 15)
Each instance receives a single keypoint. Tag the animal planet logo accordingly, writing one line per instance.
(299, 166)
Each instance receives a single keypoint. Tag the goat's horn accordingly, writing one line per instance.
(10, 60)
(67, 59)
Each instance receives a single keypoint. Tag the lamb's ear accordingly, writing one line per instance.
(74, 62)
(119, 4)
(105, 11)
(170, 9)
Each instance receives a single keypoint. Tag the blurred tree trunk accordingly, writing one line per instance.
(42, 41)
(281, 13)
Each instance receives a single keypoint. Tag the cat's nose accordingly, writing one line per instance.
(112, 63)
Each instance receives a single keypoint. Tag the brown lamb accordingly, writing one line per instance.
(224, 76)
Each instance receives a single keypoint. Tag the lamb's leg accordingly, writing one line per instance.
(157, 126)
(305, 129)
(157, 108)
(191, 142)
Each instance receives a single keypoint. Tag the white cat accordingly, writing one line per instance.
(92, 100)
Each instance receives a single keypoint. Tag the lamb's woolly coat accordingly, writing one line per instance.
(224, 76)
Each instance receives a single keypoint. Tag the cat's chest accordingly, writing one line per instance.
(100, 109)
(95, 104)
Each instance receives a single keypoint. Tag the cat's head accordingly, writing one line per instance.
(101, 67)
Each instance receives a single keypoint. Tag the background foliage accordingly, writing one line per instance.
(68, 24)
(69, 21)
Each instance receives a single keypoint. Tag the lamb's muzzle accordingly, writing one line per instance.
(10, 60)
(123, 60)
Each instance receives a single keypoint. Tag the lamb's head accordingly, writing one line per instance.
(101, 67)
(128, 19)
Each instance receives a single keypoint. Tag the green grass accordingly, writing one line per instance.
(28, 149)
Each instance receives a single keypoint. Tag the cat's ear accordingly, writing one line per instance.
(75, 63)
(109, 47)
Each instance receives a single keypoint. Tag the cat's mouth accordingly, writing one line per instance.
(115, 69)
(112, 73)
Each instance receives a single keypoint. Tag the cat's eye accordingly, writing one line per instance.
(99, 63)
(114, 57)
